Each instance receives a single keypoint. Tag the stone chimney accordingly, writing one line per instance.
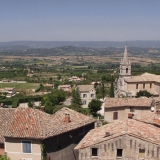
(67, 118)
(42, 108)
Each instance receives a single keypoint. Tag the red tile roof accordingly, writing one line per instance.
(144, 131)
(6, 115)
(128, 102)
(33, 123)
(148, 117)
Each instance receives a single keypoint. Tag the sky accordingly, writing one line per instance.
(79, 20)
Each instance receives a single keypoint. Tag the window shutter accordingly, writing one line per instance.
(115, 115)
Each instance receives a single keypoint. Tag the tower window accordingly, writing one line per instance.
(136, 86)
(126, 70)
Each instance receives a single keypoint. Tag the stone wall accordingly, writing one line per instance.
(130, 146)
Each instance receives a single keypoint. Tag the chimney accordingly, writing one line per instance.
(67, 118)
(130, 115)
(42, 108)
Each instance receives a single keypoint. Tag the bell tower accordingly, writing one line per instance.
(125, 65)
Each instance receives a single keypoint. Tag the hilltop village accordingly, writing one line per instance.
(89, 115)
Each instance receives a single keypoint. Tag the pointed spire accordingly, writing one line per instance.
(125, 56)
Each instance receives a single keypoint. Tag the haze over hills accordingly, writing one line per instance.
(90, 44)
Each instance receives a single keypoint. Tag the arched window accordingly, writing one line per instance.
(126, 70)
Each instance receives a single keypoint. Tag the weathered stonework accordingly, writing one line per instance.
(107, 150)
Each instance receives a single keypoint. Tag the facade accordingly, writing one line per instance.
(128, 85)
(87, 93)
(66, 88)
(126, 140)
(121, 108)
(31, 133)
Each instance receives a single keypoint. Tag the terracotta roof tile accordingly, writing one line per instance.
(145, 77)
(85, 88)
(33, 123)
(6, 115)
(131, 127)
(130, 102)
(148, 117)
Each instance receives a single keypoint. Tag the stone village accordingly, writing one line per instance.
(132, 132)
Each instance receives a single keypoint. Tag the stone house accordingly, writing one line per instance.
(27, 134)
(87, 93)
(122, 139)
(120, 108)
(66, 88)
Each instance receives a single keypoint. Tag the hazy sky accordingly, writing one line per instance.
(79, 20)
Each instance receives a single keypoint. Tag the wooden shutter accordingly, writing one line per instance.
(115, 115)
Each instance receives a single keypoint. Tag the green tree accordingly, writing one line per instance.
(142, 93)
(94, 106)
(112, 89)
(52, 99)
(103, 90)
(4, 157)
(30, 104)
(76, 97)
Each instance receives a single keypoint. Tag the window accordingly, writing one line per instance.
(84, 95)
(126, 70)
(84, 102)
(115, 115)
(143, 86)
(136, 86)
(150, 85)
(141, 153)
(92, 95)
(26, 146)
(94, 151)
(119, 153)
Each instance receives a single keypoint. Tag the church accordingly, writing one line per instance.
(128, 85)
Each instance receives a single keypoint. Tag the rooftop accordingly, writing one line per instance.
(128, 102)
(144, 131)
(145, 77)
(148, 117)
(6, 115)
(33, 123)
(85, 88)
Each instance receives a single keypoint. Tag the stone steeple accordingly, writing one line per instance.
(125, 65)
(125, 59)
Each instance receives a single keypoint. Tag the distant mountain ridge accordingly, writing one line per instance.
(88, 44)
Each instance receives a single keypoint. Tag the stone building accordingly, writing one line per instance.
(120, 108)
(87, 93)
(128, 85)
(27, 134)
(126, 140)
